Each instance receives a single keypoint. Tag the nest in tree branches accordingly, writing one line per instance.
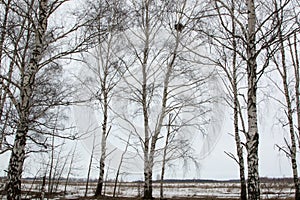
(178, 27)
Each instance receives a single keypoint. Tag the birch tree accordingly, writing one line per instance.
(148, 25)
(249, 38)
(177, 149)
(232, 71)
(30, 78)
(253, 77)
(18, 151)
(287, 65)
(103, 66)
(157, 80)
(249, 29)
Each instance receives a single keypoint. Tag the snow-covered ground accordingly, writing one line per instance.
(278, 189)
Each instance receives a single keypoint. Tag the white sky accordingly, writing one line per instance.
(217, 165)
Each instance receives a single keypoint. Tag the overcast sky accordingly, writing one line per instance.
(216, 165)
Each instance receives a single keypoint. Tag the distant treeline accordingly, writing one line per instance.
(262, 180)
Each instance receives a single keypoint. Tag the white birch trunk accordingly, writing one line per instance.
(103, 70)
(28, 78)
(293, 147)
(50, 183)
(3, 95)
(103, 140)
(239, 147)
(252, 135)
(297, 88)
(234, 83)
(147, 163)
(164, 160)
(295, 58)
(120, 165)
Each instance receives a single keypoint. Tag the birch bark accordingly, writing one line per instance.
(3, 95)
(164, 160)
(252, 135)
(103, 139)
(297, 79)
(295, 60)
(147, 163)
(239, 147)
(28, 79)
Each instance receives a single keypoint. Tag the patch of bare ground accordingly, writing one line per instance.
(174, 198)
(58, 196)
